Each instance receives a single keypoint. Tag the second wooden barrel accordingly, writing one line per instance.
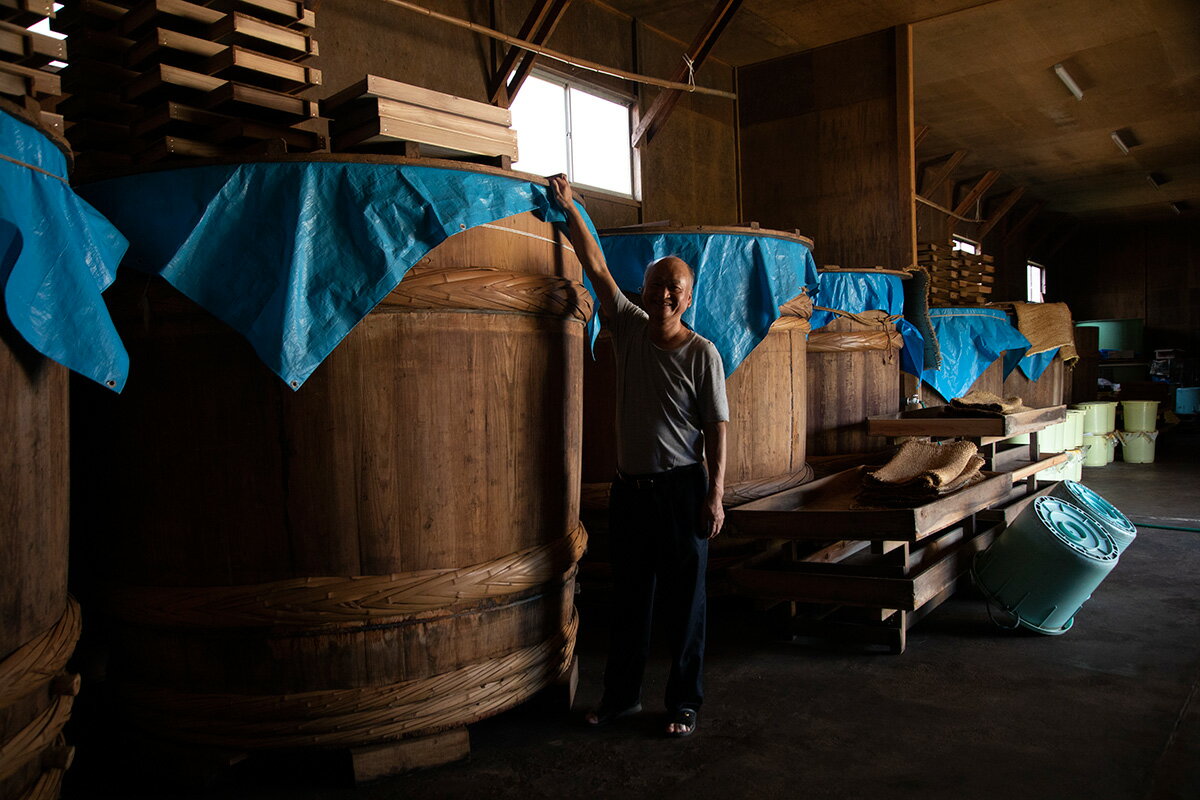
(385, 554)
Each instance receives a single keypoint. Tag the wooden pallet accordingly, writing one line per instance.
(956, 277)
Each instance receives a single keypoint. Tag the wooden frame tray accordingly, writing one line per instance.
(825, 509)
(941, 421)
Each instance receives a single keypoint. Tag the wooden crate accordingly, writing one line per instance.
(377, 111)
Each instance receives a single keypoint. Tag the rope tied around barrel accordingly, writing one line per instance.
(361, 715)
(41, 659)
(354, 599)
(879, 318)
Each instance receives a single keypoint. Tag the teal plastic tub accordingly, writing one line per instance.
(1117, 524)
(1046, 564)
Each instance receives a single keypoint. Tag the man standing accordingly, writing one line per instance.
(664, 507)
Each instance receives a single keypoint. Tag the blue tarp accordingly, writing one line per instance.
(970, 340)
(57, 254)
(1033, 366)
(857, 292)
(741, 280)
(293, 255)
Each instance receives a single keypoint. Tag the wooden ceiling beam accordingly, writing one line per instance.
(654, 119)
(542, 20)
(919, 134)
(1005, 206)
(950, 163)
(973, 195)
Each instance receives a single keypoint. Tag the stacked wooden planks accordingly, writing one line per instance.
(157, 79)
(386, 116)
(956, 276)
(28, 72)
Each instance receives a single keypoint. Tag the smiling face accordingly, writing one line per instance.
(667, 289)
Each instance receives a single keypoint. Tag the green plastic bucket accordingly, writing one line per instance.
(1095, 450)
(1112, 438)
(1137, 447)
(1021, 438)
(1046, 564)
(1050, 438)
(1073, 437)
(1117, 524)
(1100, 417)
(1140, 415)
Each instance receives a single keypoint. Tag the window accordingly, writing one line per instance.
(43, 27)
(966, 245)
(1035, 281)
(562, 127)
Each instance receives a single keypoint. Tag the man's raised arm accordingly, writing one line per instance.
(587, 249)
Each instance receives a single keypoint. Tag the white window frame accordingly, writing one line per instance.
(1030, 267)
(966, 245)
(630, 102)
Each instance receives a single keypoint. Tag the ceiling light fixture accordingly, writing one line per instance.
(1068, 81)
(1120, 142)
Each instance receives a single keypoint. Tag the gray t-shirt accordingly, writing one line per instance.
(664, 397)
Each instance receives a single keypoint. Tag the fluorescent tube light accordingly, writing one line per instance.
(1119, 142)
(1068, 81)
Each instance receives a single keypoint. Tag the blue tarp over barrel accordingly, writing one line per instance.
(970, 339)
(1033, 366)
(293, 254)
(857, 292)
(57, 254)
(741, 280)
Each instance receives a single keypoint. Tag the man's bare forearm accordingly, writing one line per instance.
(714, 456)
(587, 249)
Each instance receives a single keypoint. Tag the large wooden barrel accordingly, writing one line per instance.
(39, 621)
(1048, 390)
(853, 374)
(385, 554)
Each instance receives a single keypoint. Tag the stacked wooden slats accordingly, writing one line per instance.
(956, 276)
(27, 76)
(386, 116)
(157, 79)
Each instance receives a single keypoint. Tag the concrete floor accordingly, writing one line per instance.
(1109, 710)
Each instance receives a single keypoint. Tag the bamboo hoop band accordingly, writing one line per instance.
(852, 341)
(594, 496)
(324, 600)
(351, 717)
(48, 786)
(38, 661)
(37, 736)
(490, 289)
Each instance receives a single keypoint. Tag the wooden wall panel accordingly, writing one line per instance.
(689, 170)
(826, 147)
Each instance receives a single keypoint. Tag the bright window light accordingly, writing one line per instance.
(966, 245)
(42, 26)
(564, 128)
(1035, 281)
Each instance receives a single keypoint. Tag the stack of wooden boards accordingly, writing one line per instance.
(156, 79)
(385, 116)
(956, 277)
(27, 75)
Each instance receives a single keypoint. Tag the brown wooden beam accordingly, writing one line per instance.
(542, 20)
(939, 177)
(1024, 222)
(1005, 206)
(654, 119)
(971, 197)
(919, 135)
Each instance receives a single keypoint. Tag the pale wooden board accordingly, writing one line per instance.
(375, 86)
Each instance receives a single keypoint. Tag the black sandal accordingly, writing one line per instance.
(607, 715)
(687, 717)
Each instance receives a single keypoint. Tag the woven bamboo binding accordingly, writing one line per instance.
(35, 737)
(39, 660)
(320, 600)
(351, 717)
(490, 289)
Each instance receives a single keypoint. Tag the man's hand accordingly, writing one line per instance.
(560, 190)
(712, 515)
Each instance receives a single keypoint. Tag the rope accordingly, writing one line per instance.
(490, 289)
(39, 660)
(351, 717)
(47, 787)
(35, 737)
(691, 72)
(557, 56)
(945, 210)
(323, 600)
(35, 169)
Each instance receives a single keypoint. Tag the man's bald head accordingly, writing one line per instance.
(674, 265)
(667, 288)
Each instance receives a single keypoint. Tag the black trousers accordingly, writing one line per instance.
(658, 550)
